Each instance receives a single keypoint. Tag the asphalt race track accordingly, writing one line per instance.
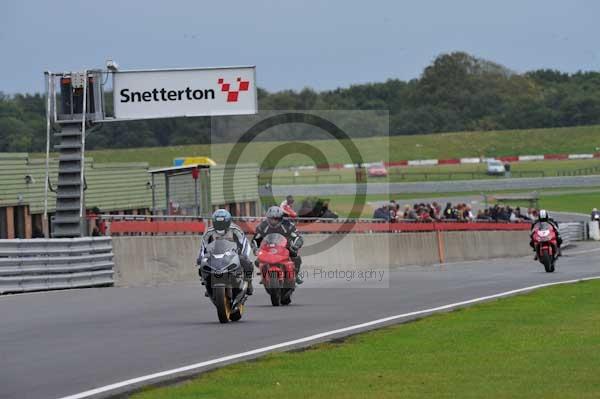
(61, 343)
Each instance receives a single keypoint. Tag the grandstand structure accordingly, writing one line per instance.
(111, 188)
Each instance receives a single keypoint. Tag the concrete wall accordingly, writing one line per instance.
(473, 245)
(152, 260)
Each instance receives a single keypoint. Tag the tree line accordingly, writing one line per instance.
(456, 92)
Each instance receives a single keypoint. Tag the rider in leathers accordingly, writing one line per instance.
(223, 228)
(276, 223)
(544, 218)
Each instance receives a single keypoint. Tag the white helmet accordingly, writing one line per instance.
(543, 215)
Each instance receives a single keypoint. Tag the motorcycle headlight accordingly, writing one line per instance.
(233, 267)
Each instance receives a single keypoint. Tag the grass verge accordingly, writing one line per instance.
(584, 139)
(543, 344)
(580, 203)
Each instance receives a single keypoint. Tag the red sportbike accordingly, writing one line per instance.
(277, 269)
(545, 245)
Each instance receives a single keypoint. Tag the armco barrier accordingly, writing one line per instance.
(572, 231)
(47, 264)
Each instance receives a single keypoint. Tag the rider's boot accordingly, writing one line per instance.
(297, 263)
(250, 288)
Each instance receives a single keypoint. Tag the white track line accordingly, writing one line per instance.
(287, 344)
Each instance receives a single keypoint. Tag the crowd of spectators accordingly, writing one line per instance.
(421, 212)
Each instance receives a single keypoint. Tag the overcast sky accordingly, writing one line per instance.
(294, 44)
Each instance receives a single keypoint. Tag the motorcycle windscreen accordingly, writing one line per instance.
(544, 226)
(275, 239)
(222, 253)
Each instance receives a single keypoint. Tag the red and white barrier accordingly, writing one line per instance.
(531, 158)
(460, 161)
(581, 156)
(423, 162)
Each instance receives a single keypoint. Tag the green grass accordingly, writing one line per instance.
(581, 203)
(541, 345)
(583, 139)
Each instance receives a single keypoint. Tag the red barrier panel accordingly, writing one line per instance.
(509, 159)
(448, 161)
(556, 156)
(156, 227)
(597, 155)
(396, 163)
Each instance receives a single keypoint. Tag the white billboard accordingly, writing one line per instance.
(172, 93)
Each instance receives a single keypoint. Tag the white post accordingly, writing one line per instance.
(83, 120)
(594, 229)
(49, 95)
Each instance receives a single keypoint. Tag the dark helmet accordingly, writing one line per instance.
(221, 220)
(274, 216)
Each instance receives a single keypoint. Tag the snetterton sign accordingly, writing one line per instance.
(184, 92)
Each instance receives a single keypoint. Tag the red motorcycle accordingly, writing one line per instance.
(545, 245)
(277, 269)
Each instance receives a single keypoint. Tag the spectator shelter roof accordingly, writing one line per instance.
(532, 199)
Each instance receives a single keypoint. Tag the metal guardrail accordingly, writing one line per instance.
(572, 231)
(594, 170)
(59, 263)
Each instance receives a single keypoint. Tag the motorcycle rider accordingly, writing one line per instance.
(276, 223)
(595, 215)
(544, 218)
(223, 228)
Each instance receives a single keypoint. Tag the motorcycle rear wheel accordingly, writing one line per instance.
(223, 304)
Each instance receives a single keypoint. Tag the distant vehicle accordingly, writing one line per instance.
(495, 167)
(377, 170)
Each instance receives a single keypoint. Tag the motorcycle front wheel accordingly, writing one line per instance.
(223, 304)
(275, 291)
(546, 260)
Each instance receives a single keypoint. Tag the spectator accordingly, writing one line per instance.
(382, 212)
(468, 214)
(394, 211)
(288, 207)
(437, 210)
(483, 215)
(595, 215)
(409, 213)
(449, 213)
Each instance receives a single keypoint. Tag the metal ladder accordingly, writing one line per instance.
(69, 220)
